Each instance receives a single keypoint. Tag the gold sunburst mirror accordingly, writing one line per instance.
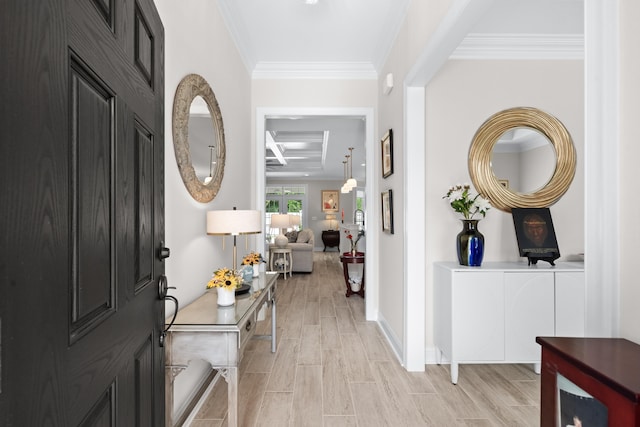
(553, 180)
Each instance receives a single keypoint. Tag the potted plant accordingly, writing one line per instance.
(226, 281)
(253, 259)
(469, 242)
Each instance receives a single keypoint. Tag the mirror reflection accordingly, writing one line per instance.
(202, 140)
(523, 160)
(198, 138)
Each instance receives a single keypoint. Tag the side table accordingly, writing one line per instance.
(347, 258)
(331, 239)
(283, 253)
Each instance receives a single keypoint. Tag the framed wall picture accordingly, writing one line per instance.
(330, 201)
(387, 212)
(387, 153)
(535, 234)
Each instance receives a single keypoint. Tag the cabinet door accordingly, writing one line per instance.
(529, 312)
(478, 316)
(570, 304)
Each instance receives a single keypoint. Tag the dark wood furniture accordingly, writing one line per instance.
(331, 239)
(606, 368)
(347, 258)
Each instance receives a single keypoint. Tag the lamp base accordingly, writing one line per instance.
(281, 241)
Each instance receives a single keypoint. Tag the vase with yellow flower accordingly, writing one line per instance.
(226, 281)
(253, 259)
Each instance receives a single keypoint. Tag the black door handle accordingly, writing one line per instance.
(163, 287)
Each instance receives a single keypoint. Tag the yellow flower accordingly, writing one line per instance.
(225, 278)
(252, 259)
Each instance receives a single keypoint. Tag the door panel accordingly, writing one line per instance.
(529, 313)
(92, 118)
(83, 219)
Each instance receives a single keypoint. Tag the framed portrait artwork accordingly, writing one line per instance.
(387, 153)
(387, 212)
(535, 234)
(330, 201)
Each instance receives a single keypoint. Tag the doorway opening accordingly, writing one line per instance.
(331, 169)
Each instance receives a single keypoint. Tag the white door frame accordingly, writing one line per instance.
(373, 204)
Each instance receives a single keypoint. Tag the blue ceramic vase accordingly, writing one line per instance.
(470, 244)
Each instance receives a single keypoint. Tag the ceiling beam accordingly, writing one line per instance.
(271, 145)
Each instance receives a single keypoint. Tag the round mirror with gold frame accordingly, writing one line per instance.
(194, 88)
(482, 148)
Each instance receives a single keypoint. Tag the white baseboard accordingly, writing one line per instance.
(394, 342)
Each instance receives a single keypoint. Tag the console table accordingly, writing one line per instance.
(331, 239)
(605, 368)
(218, 335)
(493, 313)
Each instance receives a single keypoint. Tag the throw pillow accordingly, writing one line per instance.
(292, 236)
(303, 236)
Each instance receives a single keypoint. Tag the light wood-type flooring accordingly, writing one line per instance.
(332, 368)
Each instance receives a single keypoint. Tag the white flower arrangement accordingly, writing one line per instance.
(463, 202)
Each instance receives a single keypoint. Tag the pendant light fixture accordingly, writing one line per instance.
(344, 188)
(351, 182)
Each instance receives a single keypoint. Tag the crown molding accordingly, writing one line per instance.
(238, 35)
(314, 70)
(520, 46)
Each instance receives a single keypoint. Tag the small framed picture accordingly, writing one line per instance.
(387, 154)
(330, 201)
(387, 212)
(535, 234)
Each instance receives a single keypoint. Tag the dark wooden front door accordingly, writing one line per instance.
(82, 212)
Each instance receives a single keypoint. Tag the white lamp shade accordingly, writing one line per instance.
(280, 221)
(351, 183)
(234, 222)
(294, 219)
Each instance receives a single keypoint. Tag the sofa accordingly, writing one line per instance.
(301, 244)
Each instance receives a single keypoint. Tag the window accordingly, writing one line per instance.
(289, 199)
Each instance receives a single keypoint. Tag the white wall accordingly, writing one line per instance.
(422, 20)
(197, 41)
(459, 99)
(629, 33)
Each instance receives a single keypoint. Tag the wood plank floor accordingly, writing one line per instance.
(333, 369)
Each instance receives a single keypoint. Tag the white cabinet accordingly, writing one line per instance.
(493, 313)
(570, 304)
(528, 313)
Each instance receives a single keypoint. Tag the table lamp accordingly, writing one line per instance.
(280, 221)
(294, 221)
(234, 222)
(330, 218)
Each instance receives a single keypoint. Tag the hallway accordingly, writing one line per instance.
(332, 368)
